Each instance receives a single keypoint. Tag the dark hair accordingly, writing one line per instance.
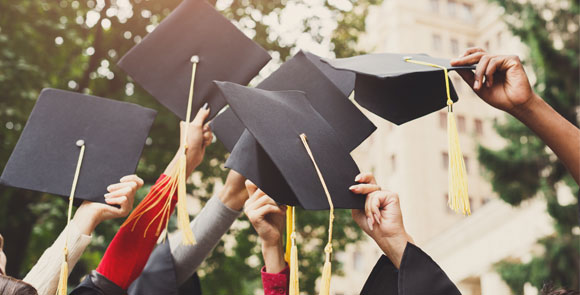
(549, 289)
(12, 286)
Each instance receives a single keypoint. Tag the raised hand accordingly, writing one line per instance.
(506, 84)
(381, 219)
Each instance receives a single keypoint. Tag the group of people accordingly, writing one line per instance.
(135, 264)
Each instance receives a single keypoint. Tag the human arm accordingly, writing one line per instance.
(500, 80)
(44, 275)
(268, 219)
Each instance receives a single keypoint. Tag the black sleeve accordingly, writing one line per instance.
(418, 275)
(97, 284)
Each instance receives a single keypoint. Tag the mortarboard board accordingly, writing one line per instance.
(81, 139)
(395, 89)
(305, 149)
(162, 62)
(327, 90)
(276, 119)
(46, 155)
(401, 88)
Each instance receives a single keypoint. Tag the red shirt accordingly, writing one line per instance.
(276, 283)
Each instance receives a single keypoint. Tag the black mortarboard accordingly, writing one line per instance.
(46, 155)
(395, 89)
(276, 119)
(162, 62)
(327, 90)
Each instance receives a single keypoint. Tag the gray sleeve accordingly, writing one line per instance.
(209, 226)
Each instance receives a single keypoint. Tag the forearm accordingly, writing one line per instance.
(394, 247)
(234, 193)
(190, 166)
(557, 132)
(209, 226)
(273, 257)
(45, 273)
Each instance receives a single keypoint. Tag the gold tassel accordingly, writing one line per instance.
(63, 280)
(458, 195)
(294, 274)
(289, 230)
(327, 270)
(457, 178)
(176, 181)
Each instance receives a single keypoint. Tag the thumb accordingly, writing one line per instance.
(202, 115)
(251, 187)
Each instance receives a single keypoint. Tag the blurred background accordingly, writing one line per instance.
(524, 228)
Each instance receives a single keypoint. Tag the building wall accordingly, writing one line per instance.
(410, 159)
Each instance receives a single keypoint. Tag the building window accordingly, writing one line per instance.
(478, 127)
(443, 120)
(454, 47)
(434, 4)
(393, 163)
(445, 160)
(436, 42)
(452, 8)
(466, 161)
(467, 12)
(461, 123)
(486, 45)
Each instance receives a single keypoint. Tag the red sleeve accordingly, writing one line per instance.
(130, 249)
(276, 283)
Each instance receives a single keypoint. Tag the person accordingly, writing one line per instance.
(404, 268)
(44, 275)
(500, 80)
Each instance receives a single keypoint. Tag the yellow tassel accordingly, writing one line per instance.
(458, 194)
(326, 271)
(289, 231)
(63, 280)
(182, 215)
(293, 261)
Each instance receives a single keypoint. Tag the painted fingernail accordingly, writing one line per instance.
(352, 188)
(476, 84)
(107, 195)
(205, 106)
(357, 178)
(370, 222)
(377, 218)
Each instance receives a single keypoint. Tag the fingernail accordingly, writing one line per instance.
(378, 219)
(205, 106)
(107, 195)
(352, 188)
(476, 84)
(370, 222)
(488, 83)
(357, 178)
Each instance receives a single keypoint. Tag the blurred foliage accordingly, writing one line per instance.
(525, 168)
(75, 45)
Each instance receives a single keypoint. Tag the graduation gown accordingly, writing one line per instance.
(158, 277)
(418, 275)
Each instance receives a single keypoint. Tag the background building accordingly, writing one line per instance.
(412, 159)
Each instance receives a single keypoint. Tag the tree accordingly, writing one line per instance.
(525, 168)
(71, 44)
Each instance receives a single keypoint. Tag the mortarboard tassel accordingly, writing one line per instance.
(458, 193)
(176, 181)
(289, 230)
(327, 270)
(293, 262)
(63, 279)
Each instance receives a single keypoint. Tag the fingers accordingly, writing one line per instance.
(113, 188)
(124, 191)
(133, 178)
(472, 50)
(365, 178)
(251, 188)
(207, 138)
(267, 209)
(364, 188)
(480, 71)
(201, 116)
(116, 201)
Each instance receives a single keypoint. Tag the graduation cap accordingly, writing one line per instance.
(403, 87)
(193, 35)
(75, 145)
(189, 49)
(326, 88)
(300, 143)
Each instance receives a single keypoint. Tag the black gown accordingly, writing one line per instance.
(158, 277)
(418, 275)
